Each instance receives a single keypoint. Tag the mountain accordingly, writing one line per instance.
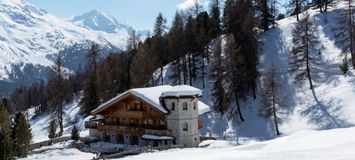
(100, 21)
(97, 20)
(30, 38)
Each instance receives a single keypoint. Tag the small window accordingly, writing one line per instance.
(195, 105)
(184, 106)
(173, 106)
(186, 126)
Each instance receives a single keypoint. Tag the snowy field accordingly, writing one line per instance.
(336, 144)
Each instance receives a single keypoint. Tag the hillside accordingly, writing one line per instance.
(313, 126)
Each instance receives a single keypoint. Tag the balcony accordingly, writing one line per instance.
(134, 130)
(91, 124)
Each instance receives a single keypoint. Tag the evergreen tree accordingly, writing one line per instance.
(305, 42)
(215, 19)
(176, 46)
(217, 74)
(90, 99)
(75, 133)
(6, 142)
(22, 135)
(159, 43)
(266, 17)
(52, 129)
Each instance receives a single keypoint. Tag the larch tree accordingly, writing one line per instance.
(56, 92)
(90, 99)
(345, 36)
(304, 53)
(22, 135)
(271, 99)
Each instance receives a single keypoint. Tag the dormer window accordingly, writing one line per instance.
(184, 106)
(173, 106)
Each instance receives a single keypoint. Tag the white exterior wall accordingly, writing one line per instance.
(178, 117)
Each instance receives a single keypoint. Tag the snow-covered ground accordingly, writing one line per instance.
(39, 123)
(336, 144)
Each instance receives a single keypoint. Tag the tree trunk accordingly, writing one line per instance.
(203, 73)
(274, 113)
(351, 38)
(238, 107)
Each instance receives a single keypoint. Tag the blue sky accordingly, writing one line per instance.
(140, 14)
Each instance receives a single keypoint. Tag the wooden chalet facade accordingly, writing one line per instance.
(133, 118)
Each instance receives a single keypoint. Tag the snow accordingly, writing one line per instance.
(337, 144)
(152, 96)
(59, 151)
(39, 123)
(30, 35)
(154, 137)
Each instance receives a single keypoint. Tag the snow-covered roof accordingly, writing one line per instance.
(152, 96)
(154, 137)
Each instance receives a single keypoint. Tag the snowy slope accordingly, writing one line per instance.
(334, 103)
(39, 123)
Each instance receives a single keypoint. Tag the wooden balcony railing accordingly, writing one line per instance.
(133, 130)
(91, 124)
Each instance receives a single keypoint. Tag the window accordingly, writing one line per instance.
(184, 106)
(186, 126)
(195, 105)
(172, 106)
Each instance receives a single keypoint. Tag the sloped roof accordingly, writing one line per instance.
(151, 96)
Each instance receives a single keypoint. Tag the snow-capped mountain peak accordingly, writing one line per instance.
(99, 21)
(20, 6)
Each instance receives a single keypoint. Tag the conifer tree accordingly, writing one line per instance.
(52, 129)
(22, 135)
(345, 33)
(91, 97)
(271, 99)
(217, 74)
(56, 92)
(75, 133)
(6, 143)
(215, 19)
(159, 44)
(305, 42)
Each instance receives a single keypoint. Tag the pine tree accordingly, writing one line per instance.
(176, 46)
(218, 77)
(75, 133)
(159, 43)
(272, 101)
(91, 97)
(266, 16)
(214, 20)
(52, 129)
(6, 142)
(22, 135)
(305, 42)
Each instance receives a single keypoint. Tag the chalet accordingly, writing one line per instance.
(156, 116)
